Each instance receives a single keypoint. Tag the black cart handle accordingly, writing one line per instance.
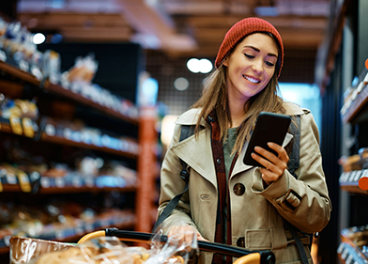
(267, 256)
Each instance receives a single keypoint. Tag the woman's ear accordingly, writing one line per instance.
(225, 61)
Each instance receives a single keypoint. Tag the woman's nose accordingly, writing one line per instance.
(258, 66)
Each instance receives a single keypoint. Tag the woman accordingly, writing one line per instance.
(228, 201)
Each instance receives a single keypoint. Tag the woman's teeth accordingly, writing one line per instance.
(252, 80)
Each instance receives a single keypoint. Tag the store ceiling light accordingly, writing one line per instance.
(39, 38)
(203, 65)
(181, 84)
(193, 65)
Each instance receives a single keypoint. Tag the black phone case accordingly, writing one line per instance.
(270, 127)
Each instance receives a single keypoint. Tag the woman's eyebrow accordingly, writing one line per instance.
(256, 49)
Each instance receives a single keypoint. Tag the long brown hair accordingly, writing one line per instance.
(215, 97)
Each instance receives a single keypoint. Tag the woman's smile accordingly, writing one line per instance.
(253, 80)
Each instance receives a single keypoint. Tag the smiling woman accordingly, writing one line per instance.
(259, 208)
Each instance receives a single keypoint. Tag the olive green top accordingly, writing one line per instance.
(232, 134)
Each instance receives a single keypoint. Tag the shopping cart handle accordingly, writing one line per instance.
(267, 257)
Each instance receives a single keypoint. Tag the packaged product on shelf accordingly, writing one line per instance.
(51, 66)
(357, 236)
(355, 162)
(3, 26)
(81, 73)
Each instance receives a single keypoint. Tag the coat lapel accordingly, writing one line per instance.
(197, 153)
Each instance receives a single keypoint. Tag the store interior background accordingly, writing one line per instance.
(324, 52)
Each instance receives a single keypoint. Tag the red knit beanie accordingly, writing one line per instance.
(243, 28)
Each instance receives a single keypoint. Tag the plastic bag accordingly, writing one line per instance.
(23, 249)
(104, 250)
(175, 250)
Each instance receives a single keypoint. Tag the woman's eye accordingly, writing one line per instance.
(270, 63)
(249, 56)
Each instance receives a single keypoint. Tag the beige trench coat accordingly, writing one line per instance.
(257, 215)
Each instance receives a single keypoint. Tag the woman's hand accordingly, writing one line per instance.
(274, 165)
(185, 235)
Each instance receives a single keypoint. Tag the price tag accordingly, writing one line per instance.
(24, 182)
(16, 125)
(45, 182)
(11, 179)
(59, 182)
(28, 127)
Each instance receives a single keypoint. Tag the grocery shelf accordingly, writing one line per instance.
(350, 254)
(349, 251)
(5, 127)
(59, 90)
(349, 181)
(356, 105)
(65, 184)
(63, 141)
(18, 73)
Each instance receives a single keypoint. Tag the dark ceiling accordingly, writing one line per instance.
(178, 27)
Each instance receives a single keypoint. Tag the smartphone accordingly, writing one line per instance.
(270, 127)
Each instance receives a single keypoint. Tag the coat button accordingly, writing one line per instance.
(239, 189)
(218, 161)
(240, 242)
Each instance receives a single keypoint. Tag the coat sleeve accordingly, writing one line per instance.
(304, 202)
(172, 185)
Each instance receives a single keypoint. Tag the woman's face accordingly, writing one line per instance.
(250, 67)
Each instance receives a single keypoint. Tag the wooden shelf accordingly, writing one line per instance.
(4, 127)
(18, 73)
(349, 181)
(63, 141)
(356, 105)
(59, 90)
(69, 189)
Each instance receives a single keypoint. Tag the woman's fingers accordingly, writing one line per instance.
(274, 165)
(183, 236)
